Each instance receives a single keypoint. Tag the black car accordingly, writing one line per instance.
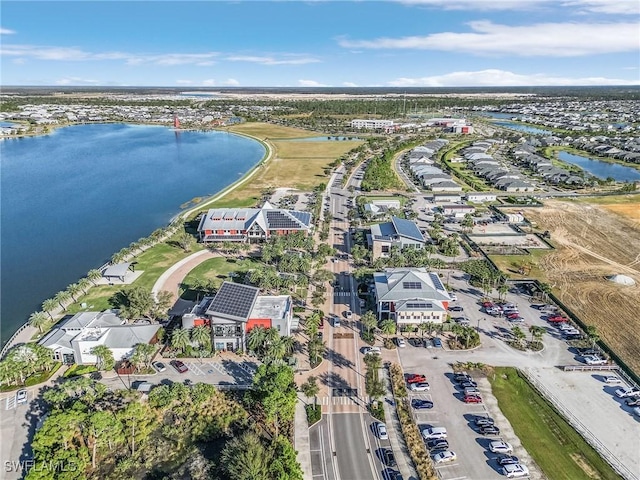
(489, 430)
(587, 351)
(481, 421)
(633, 402)
(457, 308)
(437, 444)
(507, 460)
(419, 404)
(469, 384)
(388, 458)
(462, 377)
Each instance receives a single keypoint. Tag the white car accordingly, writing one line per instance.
(401, 342)
(434, 433)
(419, 387)
(453, 296)
(515, 470)
(594, 360)
(159, 366)
(381, 431)
(348, 313)
(627, 392)
(372, 350)
(500, 447)
(611, 379)
(21, 396)
(444, 457)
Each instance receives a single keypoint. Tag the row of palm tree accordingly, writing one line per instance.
(200, 335)
(268, 345)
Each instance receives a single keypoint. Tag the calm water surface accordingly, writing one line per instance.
(73, 198)
(601, 169)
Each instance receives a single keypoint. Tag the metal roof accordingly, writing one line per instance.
(117, 270)
(407, 228)
(390, 285)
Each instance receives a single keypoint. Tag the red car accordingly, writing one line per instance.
(513, 315)
(472, 399)
(179, 366)
(487, 304)
(416, 379)
(557, 319)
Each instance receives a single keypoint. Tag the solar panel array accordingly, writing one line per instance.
(280, 221)
(411, 285)
(421, 306)
(406, 228)
(234, 299)
(436, 281)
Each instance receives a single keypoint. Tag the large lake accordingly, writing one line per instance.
(602, 169)
(73, 198)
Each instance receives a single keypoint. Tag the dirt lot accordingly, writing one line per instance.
(594, 241)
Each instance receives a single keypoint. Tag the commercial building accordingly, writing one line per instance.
(398, 233)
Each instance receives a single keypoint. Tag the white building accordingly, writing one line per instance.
(371, 124)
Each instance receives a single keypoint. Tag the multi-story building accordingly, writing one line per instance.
(251, 224)
(411, 296)
(398, 233)
(371, 124)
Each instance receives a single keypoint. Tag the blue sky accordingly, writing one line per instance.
(401, 43)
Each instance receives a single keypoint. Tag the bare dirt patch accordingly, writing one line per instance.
(592, 244)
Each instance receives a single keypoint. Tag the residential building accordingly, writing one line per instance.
(73, 340)
(251, 224)
(457, 210)
(398, 232)
(411, 296)
(480, 197)
(371, 124)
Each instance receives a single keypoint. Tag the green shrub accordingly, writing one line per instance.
(314, 413)
(376, 409)
(77, 370)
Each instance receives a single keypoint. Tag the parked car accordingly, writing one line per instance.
(21, 396)
(587, 351)
(401, 343)
(420, 404)
(433, 433)
(437, 342)
(416, 378)
(388, 457)
(444, 457)
(456, 308)
(372, 350)
(472, 399)
(462, 321)
(471, 391)
(566, 326)
(437, 444)
(636, 411)
(419, 387)
(427, 343)
(489, 430)
(516, 319)
(381, 431)
(348, 313)
(462, 377)
(594, 360)
(557, 319)
(453, 296)
(515, 470)
(159, 366)
(488, 304)
(481, 421)
(627, 392)
(336, 322)
(507, 460)
(391, 474)
(633, 402)
(469, 384)
(179, 366)
(571, 332)
(499, 446)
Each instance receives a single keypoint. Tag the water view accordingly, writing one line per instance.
(602, 169)
(523, 128)
(73, 198)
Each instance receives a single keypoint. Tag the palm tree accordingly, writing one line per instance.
(38, 320)
(73, 290)
(202, 336)
(369, 321)
(310, 388)
(49, 305)
(256, 339)
(518, 334)
(536, 332)
(546, 289)
(388, 326)
(94, 275)
(84, 284)
(180, 338)
(144, 352)
(62, 298)
(102, 353)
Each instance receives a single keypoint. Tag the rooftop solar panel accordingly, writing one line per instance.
(407, 228)
(280, 220)
(233, 300)
(411, 285)
(436, 281)
(416, 305)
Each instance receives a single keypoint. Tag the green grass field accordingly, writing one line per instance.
(556, 447)
(218, 269)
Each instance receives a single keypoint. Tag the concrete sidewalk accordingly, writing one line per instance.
(302, 443)
(396, 439)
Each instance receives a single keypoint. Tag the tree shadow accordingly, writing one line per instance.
(339, 360)
(333, 380)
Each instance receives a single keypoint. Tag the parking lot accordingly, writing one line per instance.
(591, 403)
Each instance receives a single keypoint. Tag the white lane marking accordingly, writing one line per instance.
(195, 369)
(11, 403)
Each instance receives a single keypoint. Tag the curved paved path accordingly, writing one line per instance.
(172, 277)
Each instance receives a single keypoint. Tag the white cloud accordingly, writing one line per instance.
(543, 39)
(577, 6)
(269, 60)
(231, 82)
(349, 84)
(77, 54)
(77, 81)
(503, 78)
(311, 83)
(6, 31)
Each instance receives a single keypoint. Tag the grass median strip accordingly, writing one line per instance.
(551, 441)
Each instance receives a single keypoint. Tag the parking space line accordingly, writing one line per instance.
(220, 368)
(196, 370)
(11, 403)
